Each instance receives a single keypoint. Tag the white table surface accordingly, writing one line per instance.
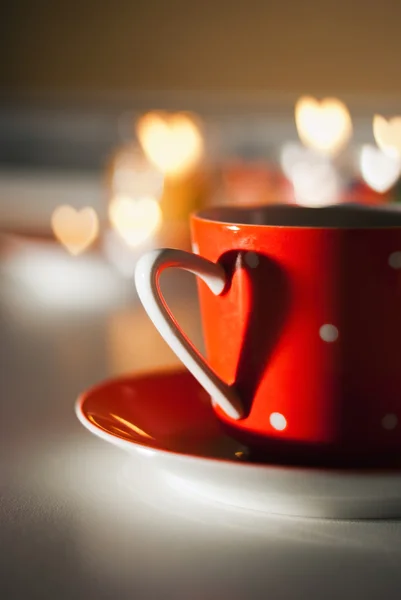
(76, 519)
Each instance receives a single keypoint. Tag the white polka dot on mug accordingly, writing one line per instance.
(394, 260)
(328, 333)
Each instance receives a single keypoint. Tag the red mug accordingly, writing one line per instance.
(301, 313)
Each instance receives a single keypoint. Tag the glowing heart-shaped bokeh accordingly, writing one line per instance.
(387, 134)
(314, 178)
(316, 185)
(135, 220)
(325, 126)
(132, 174)
(173, 142)
(379, 171)
(75, 229)
(293, 153)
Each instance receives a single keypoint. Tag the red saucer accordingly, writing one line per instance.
(165, 410)
(165, 421)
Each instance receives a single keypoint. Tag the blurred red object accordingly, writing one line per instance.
(255, 183)
(361, 193)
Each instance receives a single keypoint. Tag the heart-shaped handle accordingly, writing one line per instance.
(147, 273)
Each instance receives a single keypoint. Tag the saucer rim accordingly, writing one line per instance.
(116, 440)
(129, 445)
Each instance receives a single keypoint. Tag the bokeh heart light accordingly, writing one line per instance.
(387, 134)
(325, 126)
(316, 185)
(75, 229)
(379, 171)
(294, 153)
(314, 179)
(131, 173)
(173, 142)
(135, 220)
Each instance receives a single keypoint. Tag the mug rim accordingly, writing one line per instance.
(293, 216)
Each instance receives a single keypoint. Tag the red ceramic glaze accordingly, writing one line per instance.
(159, 410)
(336, 389)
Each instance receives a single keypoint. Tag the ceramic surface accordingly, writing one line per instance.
(164, 420)
(302, 326)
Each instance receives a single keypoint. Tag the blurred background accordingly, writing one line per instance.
(118, 119)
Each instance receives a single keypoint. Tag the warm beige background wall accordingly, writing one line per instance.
(312, 45)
